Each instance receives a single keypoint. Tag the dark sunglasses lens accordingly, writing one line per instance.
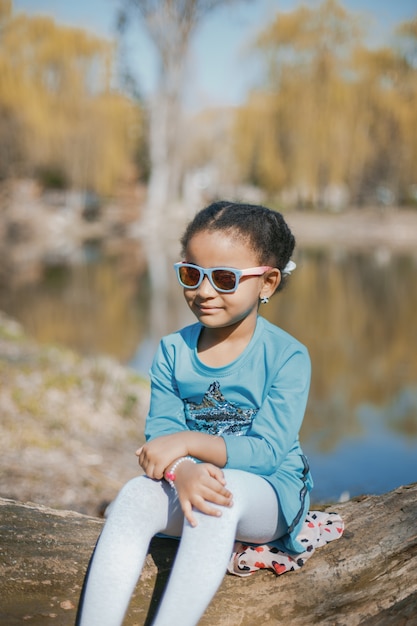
(224, 279)
(189, 276)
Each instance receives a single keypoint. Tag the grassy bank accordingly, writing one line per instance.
(69, 425)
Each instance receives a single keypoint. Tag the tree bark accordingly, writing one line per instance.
(171, 26)
(367, 577)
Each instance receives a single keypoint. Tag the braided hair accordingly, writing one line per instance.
(264, 230)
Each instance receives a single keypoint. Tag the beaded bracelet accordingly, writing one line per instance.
(170, 476)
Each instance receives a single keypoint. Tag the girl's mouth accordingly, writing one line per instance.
(207, 308)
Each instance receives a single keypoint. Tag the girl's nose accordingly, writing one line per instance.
(206, 289)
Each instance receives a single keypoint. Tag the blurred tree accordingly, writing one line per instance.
(377, 122)
(407, 32)
(58, 111)
(385, 102)
(300, 138)
(5, 11)
(331, 115)
(170, 25)
(407, 50)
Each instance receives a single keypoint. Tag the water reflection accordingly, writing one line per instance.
(355, 312)
(92, 308)
(357, 318)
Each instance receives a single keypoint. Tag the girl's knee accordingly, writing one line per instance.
(139, 493)
(132, 488)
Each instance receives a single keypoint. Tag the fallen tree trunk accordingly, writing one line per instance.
(367, 577)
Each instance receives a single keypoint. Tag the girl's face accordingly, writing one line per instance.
(218, 310)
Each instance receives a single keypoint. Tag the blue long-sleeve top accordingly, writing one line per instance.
(256, 403)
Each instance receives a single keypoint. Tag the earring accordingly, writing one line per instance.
(264, 299)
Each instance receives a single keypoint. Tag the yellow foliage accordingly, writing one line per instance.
(304, 29)
(332, 113)
(257, 146)
(55, 83)
(409, 29)
(5, 9)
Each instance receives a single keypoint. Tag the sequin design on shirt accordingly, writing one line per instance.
(216, 416)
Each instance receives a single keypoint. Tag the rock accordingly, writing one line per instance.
(367, 577)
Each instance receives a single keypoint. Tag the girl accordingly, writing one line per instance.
(222, 457)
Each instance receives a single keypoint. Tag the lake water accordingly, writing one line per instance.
(356, 313)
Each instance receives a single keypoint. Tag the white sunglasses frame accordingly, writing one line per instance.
(251, 271)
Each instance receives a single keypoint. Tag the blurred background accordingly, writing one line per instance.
(119, 119)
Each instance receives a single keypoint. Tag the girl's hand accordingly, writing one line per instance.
(156, 455)
(201, 485)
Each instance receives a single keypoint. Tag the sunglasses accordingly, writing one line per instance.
(223, 279)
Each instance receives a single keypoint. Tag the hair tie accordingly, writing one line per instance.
(288, 268)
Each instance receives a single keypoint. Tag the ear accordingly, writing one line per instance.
(270, 281)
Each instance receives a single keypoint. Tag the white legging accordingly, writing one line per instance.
(145, 507)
